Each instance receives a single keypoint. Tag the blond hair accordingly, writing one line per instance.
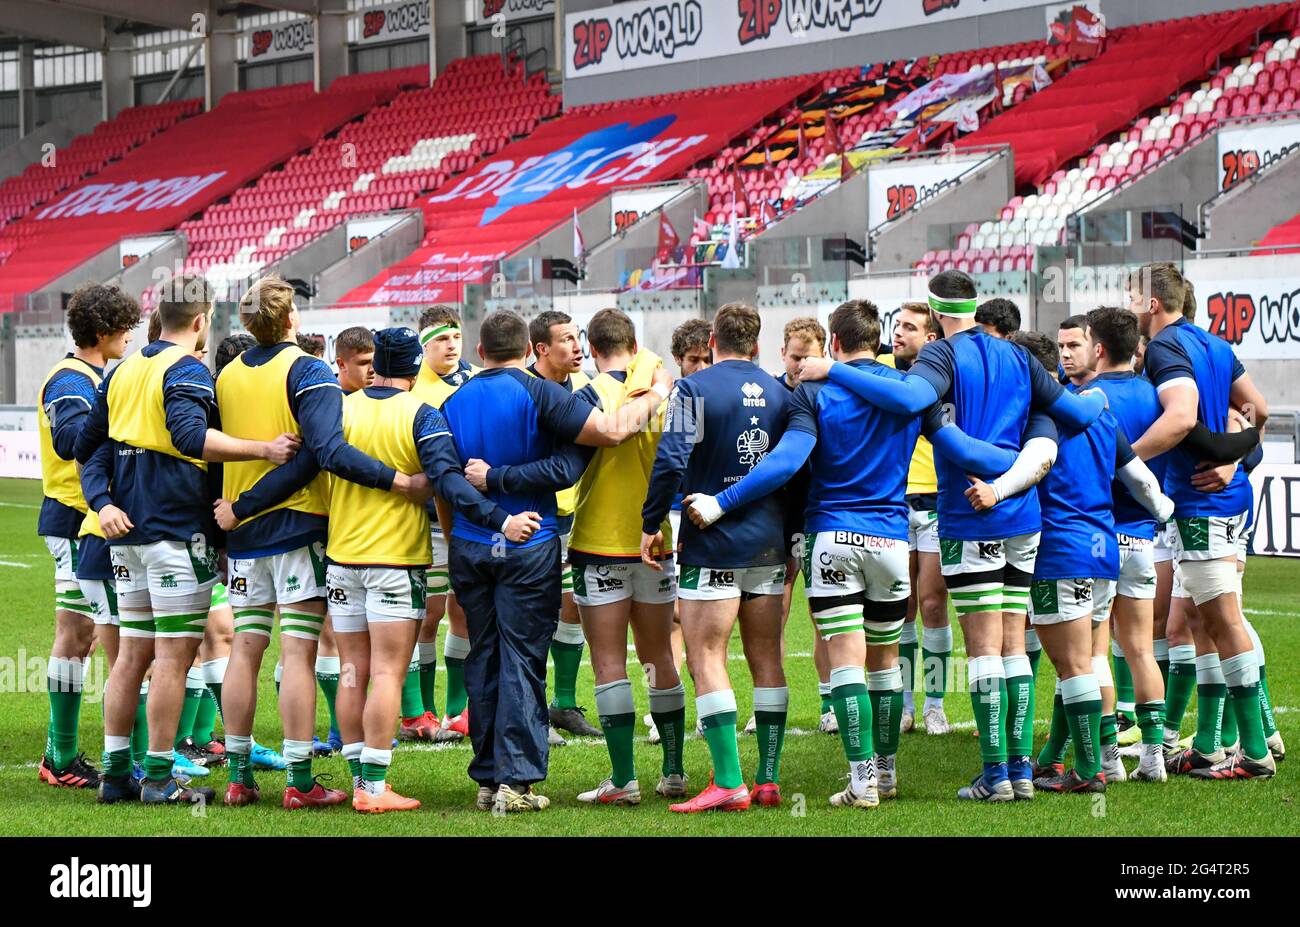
(806, 329)
(264, 309)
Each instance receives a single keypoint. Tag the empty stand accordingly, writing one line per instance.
(86, 156)
(173, 175)
(1265, 81)
(382, 162)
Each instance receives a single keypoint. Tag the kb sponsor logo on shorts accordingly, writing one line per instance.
(989, 550)
(1082, 591)
(121, 574)
(239, 585)
(721, 579)
(337, 596)
(829, 577)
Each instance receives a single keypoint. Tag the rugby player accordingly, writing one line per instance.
(690, 349)
(987, 562)
(1198, 378)
(855, 558)
(720, 423)
(100, 321)
(510, 587)
(157, 408)
(999, 317)
(442, 372)
(916, 326)
(801, 338)
(277, 557)
(1113, 337)
(554, 338)
(1076, 362)
(614, 590)
(354, 356)
(1077, 505)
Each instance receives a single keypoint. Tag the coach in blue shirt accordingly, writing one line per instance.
(508, 581)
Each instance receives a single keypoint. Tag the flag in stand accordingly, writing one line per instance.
(579, 246)
(732, 258)
(738, 193)
(766, 212)
(846, 166)
(833, 133)
(668, 239)
(700, 230)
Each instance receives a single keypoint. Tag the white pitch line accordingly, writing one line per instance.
(11, 563)
(18, 505)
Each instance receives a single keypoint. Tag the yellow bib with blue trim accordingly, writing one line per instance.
(137, 416)
(59, 478)
(373, 527)
(607, 517)
(567, 499)
(254, 404)
(433, 389)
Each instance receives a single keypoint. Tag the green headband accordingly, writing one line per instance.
(945, 305)
(433, 331)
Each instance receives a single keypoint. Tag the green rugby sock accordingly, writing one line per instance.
(327, 678)
(770, 709)
(428, 651)
(618, 721)
(1151, 721)
(717, 714)
(1082, 698)
(1266, 705)
(1182, 683)
(668, 711)
(1020, 705)
(566, 651)
(1058, 735)
(140, 732)
(205, 718)
(194, 689)
(852, 704)
(412, 700)
(454, 651)
(885, 693)
(1241, 674)
(64, 683)
(1211, 695)
(988, 696)
(158, 766)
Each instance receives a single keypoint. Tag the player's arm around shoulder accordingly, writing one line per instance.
(610, 428)
(442, 468)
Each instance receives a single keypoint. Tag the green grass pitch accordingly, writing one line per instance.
(930, 768)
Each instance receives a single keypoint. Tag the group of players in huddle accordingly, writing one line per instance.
(1102, 507)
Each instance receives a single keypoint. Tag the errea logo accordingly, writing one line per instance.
(753, 395)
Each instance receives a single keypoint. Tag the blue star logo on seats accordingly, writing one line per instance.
(577, 163)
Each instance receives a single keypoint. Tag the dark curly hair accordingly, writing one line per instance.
(95, 309)
(231, 347)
